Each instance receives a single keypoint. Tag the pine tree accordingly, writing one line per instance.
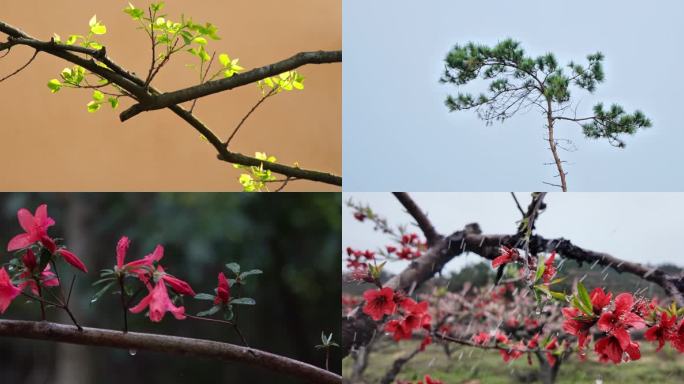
(519, 83)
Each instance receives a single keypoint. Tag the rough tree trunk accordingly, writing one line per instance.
(548, 372)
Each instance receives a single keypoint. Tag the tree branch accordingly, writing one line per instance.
(421, 218)
(166, 344)
(182, 95)
(116, 74)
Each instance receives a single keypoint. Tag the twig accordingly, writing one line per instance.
(235, 131)
(21, 68)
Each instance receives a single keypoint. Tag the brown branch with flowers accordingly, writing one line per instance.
(358, 327)
(148, 97)
(166, 344)
(32, 272)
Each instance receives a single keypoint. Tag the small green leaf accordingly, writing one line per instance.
(54, 85)
(209, 311)
(235, 267)
(540, 268)
(97, 95)
(157, 6)
(252, 272)
(200, 40)
(72, 39)
(101, 292)
(205, 296)
(103, 281)
(98, 29)
(113, 101)
(243, 301)
(93, 106)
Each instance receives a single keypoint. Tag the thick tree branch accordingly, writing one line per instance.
(421, 218)
(116, 74)
(168, 99)
(166, 344)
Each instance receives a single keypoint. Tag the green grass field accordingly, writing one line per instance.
(474, 366)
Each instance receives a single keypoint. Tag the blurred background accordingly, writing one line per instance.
(294, 238)
(157, 151)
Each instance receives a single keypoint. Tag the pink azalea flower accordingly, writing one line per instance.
(159, 303)
(7, 291)
(47, 278)
(223, 290)
(35, 228)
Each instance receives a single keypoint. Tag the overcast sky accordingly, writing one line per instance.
(398, 135)
(640, 227)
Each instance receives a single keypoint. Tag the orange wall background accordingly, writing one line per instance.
(50, 142)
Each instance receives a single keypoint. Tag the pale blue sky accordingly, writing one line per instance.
(398, 135)
(638, 227)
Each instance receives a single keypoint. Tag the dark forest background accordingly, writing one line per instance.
(294, 238)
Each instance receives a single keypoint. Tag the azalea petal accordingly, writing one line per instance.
(121, 249)
(72, 259)
(42, 219)
(8, 292)
(18, 242)
(144, 303)
(178, 285)
(26, 220)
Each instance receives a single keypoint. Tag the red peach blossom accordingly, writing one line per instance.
(661, 331)
(379, 302)
(507, 255)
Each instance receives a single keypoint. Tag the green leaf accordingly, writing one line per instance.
(200, 40)
(210, 311)
(252, 272)
(101, 292)
(243, 301)
(235, 267)
(54, 85)
(93, 106)
(97, 95)
(99, 29)
(224, 59)
(540, 268)
(559, 295)
(584, 297)
(135, 13)
(113, 101)
(157, 6)
(103, 281)
(205, 296)
(72, 39)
